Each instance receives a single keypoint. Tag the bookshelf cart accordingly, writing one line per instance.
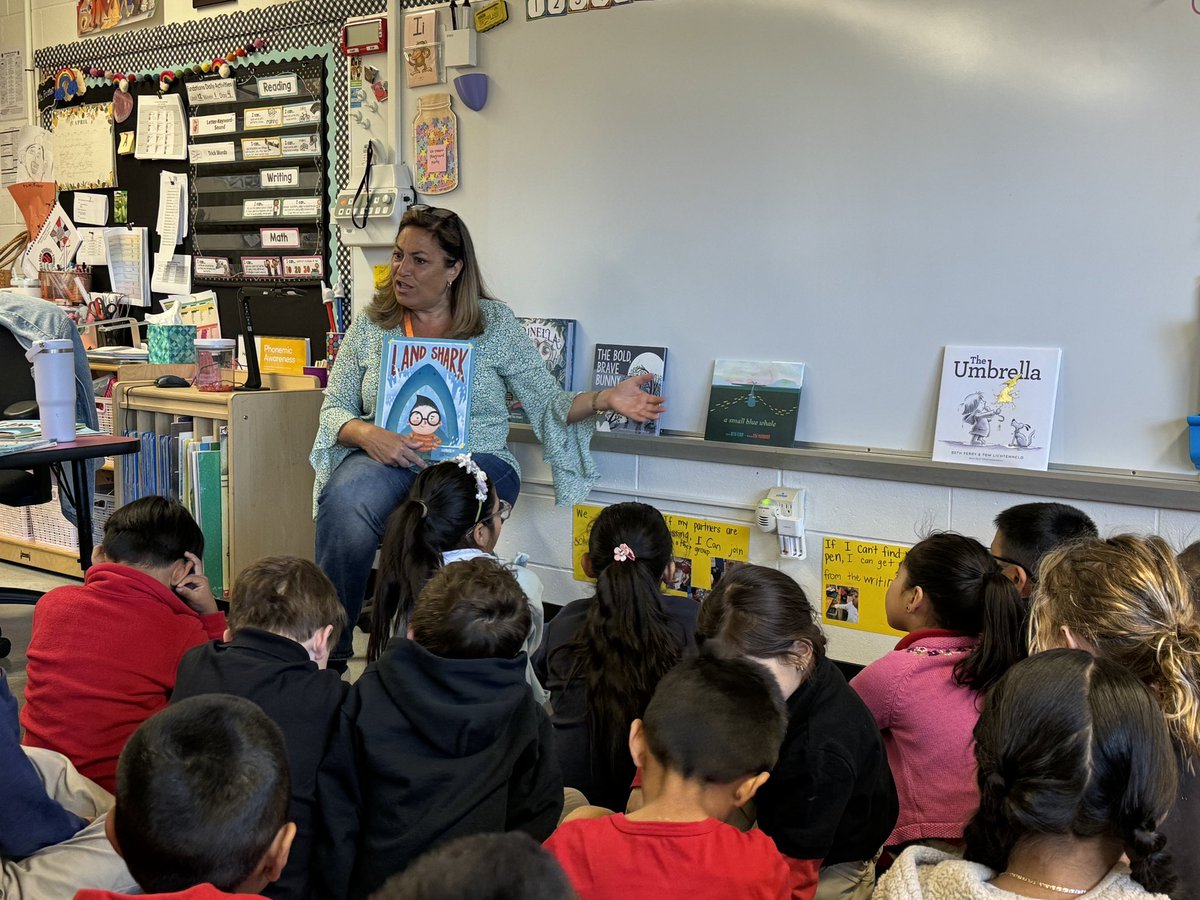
(270, 433)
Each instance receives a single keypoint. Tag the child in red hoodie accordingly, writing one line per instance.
(202, 799)
(103, 655)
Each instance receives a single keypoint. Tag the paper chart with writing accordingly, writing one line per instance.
(128, 251)
(172, 273)
(91, 249)
(8, 155)
(855, 579)
(161, 127)
(172, 209)
(84, 147)
(91, 209)
(704, 549)
(12, 84)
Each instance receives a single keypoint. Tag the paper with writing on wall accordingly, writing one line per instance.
(212, 267)
(221, 123)
(161, 127)
(172, 208)
(211, 90)
(262, 117)
(91, 248)
(172, 273)
(12, 84)
(8, 155)
(91, 209)
(84, 147)
(703, 550)
(856, 575)
(128, 251)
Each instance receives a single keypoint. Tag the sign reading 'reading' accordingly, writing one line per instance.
(279, 86)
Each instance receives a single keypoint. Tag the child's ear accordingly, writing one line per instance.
(916, 602)
(98, 555)
(110, 831)
(585, 563)
(637, 743)
(227, 636)
(270, 867)
(318, 645)
(748, 787)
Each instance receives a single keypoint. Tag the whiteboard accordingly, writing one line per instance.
(854, 184)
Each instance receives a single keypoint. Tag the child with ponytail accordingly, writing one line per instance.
(964, 619)
(1126, 599)
(1075, 767)
(452, 513)
(604, 655)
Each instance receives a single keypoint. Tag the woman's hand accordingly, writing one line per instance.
(382, 445)
(628, 399)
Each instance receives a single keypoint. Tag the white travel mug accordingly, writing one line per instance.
(54, 378)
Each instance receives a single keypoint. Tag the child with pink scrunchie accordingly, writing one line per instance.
(603, 656)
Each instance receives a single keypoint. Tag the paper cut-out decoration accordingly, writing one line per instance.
(122, 106)
(69, 84)
(435, 144)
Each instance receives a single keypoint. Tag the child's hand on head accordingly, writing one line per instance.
(193, 588)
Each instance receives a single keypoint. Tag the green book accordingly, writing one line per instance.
(209, 503)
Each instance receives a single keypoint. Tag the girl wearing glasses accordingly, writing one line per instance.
(452, 513)
(362, 471)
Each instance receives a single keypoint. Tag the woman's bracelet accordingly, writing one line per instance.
(596, 410)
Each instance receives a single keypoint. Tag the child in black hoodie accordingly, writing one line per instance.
(439, 738)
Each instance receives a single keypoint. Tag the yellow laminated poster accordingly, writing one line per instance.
(705, 549)
(856, 575)
(287, 356)
(381, 275)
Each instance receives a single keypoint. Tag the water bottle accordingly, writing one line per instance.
(54, 379)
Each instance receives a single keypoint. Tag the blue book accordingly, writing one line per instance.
(425, 394)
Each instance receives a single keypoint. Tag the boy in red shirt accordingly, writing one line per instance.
(708, 740)
(202, 798)
(103, 655)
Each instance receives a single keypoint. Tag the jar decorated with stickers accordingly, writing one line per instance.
(435, 145)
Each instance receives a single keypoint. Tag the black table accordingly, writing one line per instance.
(78, 451)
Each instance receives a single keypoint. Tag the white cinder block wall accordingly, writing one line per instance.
(855, 508)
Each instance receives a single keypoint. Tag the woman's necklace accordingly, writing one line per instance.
(1049, 887)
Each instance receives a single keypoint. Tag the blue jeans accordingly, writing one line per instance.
(352, 512)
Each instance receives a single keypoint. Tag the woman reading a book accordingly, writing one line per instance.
(363, 471)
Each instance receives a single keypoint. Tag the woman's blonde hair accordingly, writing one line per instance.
(1127, 598)
(451, 235)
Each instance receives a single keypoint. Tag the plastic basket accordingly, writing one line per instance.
(50, 527)
(59, 285)
(103, 507)
(14, 522)
(104, 414)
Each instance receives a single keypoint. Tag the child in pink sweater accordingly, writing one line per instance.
(963, 619)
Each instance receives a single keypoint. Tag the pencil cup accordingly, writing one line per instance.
(333, 343)
(54, 383)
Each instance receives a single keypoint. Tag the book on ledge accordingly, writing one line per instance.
(555, 343)
(615, 363)
(754, 402)
(996, 406)
(425, 393)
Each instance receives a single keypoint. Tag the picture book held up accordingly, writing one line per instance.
(425, 394)
(996, 406)
(615, 363)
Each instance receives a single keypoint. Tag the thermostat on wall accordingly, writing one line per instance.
(364, 36)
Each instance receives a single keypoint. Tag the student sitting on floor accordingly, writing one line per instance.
(1027, 532)
(830, 802)
(103, 656)
(964, 622)
(508, 866)
(452, 513)
(48, 846)
(604, 655)
(1076, 771)
(708, 740)
(439, 738)
(202, 795)
(284, 618)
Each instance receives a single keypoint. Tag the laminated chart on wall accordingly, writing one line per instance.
(541, 9)
(854, 580)
(161, 127)
(84, 147)
(704, 549)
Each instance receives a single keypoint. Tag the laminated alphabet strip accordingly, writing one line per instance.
(543, 9)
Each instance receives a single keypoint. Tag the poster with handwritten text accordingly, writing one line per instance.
(84, 149)
(705, 549)
(855, 579)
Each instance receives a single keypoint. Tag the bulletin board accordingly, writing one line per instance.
(705, 549)
(855, 185)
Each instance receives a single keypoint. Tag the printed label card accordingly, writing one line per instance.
(211, 267)
(260, 209)
(211, 90)
(224, 123)
(279, 237)
(301, 145)
(261, 267)
(279, 178)
(262, 117)
(422, 64)
(278, 86)
(301, 114)
(303, 266)
(420, 28)
(212, 153)
(261, 148)
(294, 207)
